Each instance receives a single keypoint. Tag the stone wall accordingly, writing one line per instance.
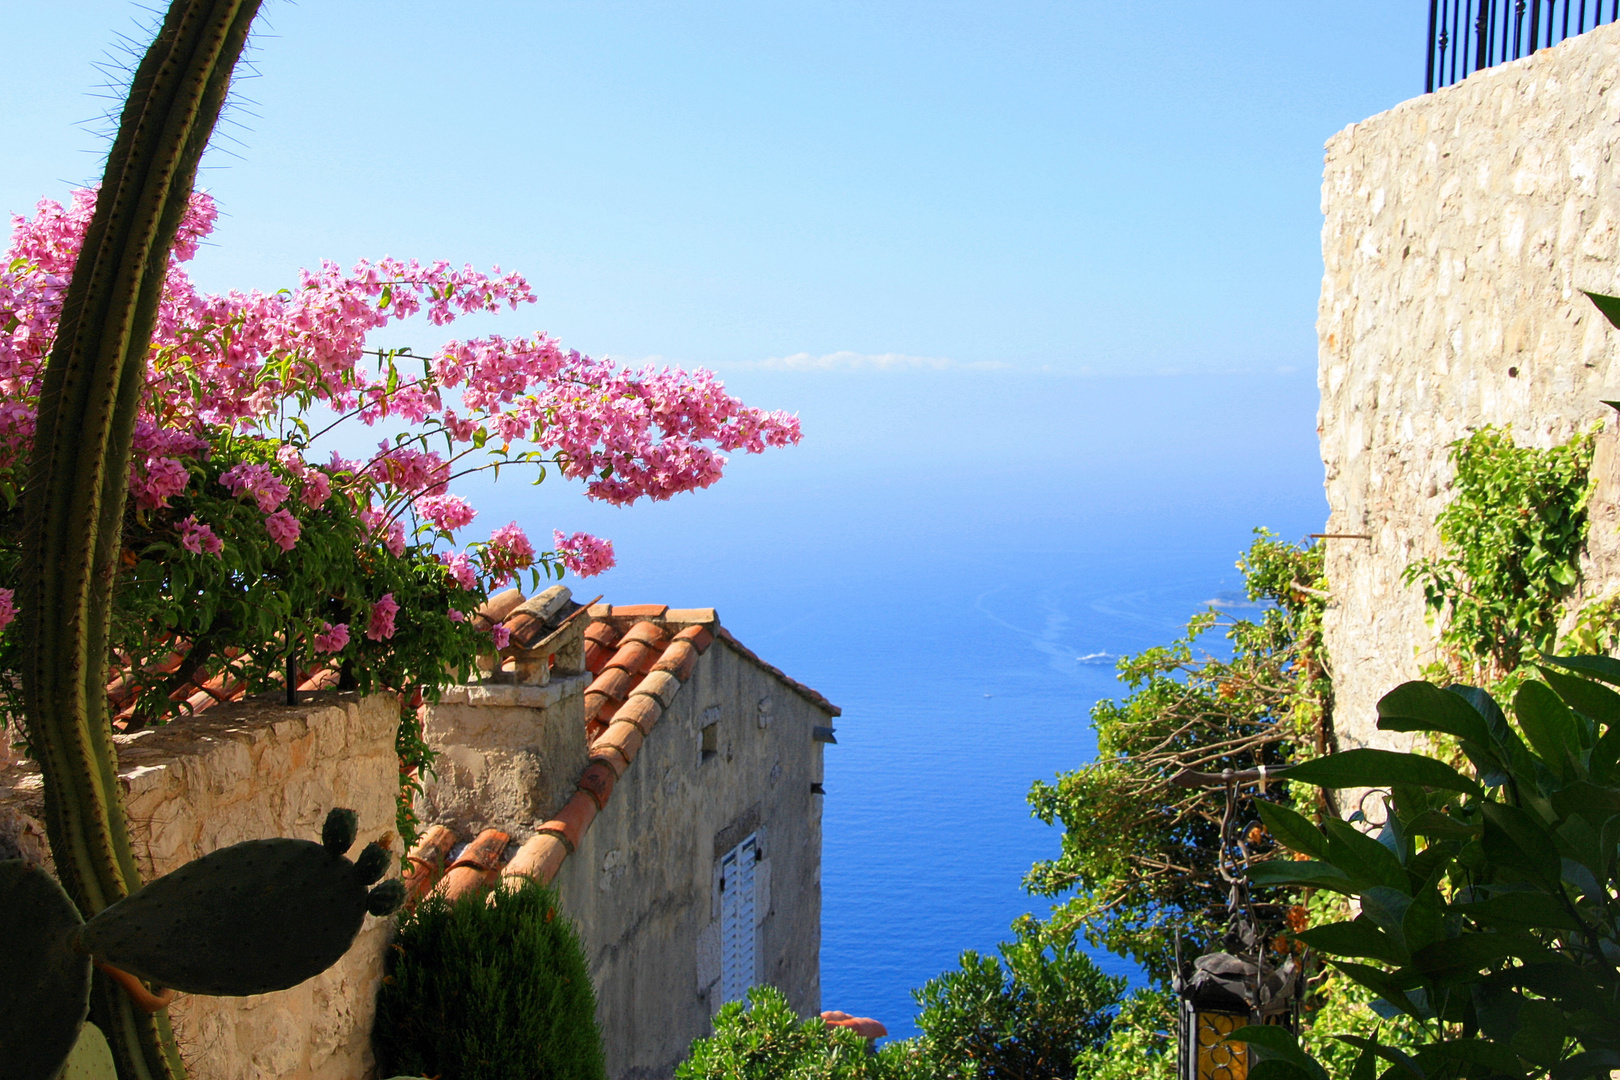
(243, 772)
(1458, 230)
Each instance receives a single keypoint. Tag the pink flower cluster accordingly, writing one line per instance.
(381, 625)
(248, 361)
(507, 552)
(582, 553)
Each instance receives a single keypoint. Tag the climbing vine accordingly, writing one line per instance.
(1513, 534)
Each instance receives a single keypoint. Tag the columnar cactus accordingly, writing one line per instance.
(74, 500)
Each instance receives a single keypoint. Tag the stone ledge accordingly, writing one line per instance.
(513, 695)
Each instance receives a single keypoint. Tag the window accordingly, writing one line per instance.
(737, 919)
(711, 742)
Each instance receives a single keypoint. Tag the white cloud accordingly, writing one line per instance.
(854, 361)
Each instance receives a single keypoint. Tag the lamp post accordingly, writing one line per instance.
(1220, 992)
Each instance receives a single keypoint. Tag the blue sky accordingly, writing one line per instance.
(1110, 188)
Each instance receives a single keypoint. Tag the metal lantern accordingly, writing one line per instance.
(1221, 992)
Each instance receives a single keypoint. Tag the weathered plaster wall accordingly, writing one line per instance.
(643, 884)
(244, 772)
(1459, 228)
(508, 755)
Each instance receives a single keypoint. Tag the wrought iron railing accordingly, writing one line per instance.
(1467, 35)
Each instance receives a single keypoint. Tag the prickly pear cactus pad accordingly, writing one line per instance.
(44, 984)
(248, 919)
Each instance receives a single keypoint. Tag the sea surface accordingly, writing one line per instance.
(957, 559)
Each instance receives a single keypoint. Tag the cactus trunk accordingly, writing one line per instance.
(74, 500)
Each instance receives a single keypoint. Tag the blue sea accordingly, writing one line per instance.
(956, 558)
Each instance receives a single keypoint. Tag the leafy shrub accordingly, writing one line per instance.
(1042, 1011)
(1488, 902)
(491, 987)
(1033, 1013)
(766, 1041)
(1139, 854)
(1513, 533)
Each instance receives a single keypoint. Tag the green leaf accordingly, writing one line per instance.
(1461, 958)
(1368, 767)
(1441, 826)
(1606, 668)
(1590, 699)
(1308, 873)
(1272, 1043)
(1277, 1069)
(1608, 305)
(1422, 706)
(1361, 857)
(1513, 838)
(1383, 984)
(1541, 1033)
(1395, 1056)
(1366, 1067)
(1548, 724)
(1360, 938)
(1292, 829)
(1519, 909)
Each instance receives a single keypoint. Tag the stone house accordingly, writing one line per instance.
(664, 779)
(667, 782)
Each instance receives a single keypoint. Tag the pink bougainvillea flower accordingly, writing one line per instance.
(332, 639)
(501, 635)
(457, 616)
(448, 512)
(582, 553)
(284, 529)
(461, 568)
(8, 607)
(197, 538)
(163, 478)
(317, 488)
(381, 625)
(508, 552)
(257, 480)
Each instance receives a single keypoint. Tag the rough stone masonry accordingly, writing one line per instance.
(1459, 228)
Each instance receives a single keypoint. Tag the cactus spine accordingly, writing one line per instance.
(74, 501)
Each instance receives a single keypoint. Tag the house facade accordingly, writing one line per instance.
(666, 781)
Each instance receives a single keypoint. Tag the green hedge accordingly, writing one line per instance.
(491, 987)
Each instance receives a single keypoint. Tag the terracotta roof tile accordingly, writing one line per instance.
(679, 659)
(427, 861)
(614, 684)
(603, 633)
(642, 710)
(597, 780)
(621, 736)
(636, 657)
(658, 684)
(539, 859)
(863, 1026)
(639, 611)
(573, 819)
(699, 637)
(497, 608)
(476, 866)
(648, 633)
(637, 670)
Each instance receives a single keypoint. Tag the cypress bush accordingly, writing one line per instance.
(490, 987)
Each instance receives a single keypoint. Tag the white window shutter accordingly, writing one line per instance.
(737, 920)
